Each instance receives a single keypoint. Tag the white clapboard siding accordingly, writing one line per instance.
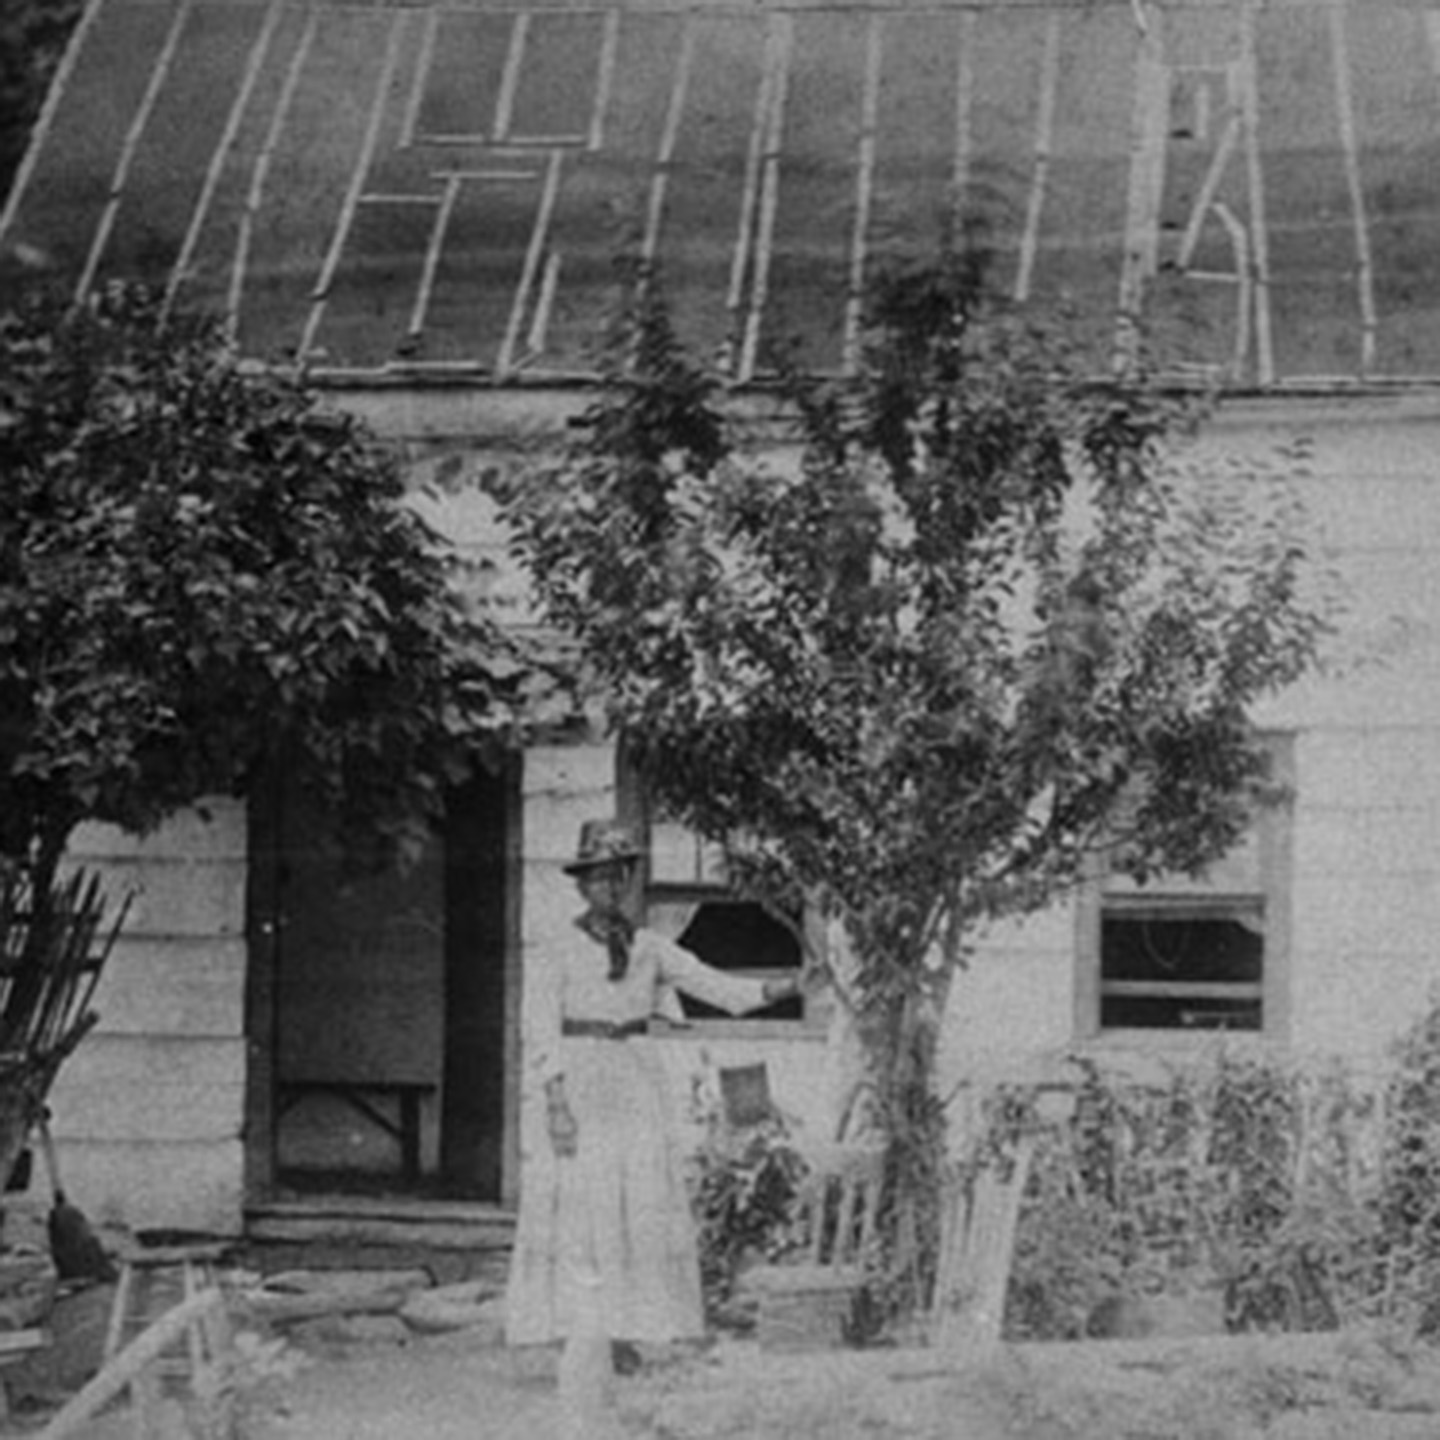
(151, 1088)
(155, 1185)
(149, 1111)
(174, 985)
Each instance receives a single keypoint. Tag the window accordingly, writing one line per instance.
(1193, 955)
(687, 896)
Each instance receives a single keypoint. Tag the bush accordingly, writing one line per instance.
(745, 1188)
(1303, 1196)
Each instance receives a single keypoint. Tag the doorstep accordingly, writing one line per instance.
(457, 1237)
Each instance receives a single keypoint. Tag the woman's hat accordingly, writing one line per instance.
(604, 842)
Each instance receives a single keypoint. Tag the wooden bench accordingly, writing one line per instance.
(360, 1095)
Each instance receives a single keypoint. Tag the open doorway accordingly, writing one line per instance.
(383, 1007)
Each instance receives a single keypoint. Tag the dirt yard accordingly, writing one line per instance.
(1356, 1386)
(373, 1377)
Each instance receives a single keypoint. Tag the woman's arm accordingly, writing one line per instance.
(734, 994)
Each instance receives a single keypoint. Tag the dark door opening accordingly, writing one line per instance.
(388, 1009)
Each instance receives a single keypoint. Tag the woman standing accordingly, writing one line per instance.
(605, 1244)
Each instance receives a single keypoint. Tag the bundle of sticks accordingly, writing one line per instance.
(52, 953)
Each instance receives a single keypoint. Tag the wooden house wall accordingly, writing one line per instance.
(148, 1111)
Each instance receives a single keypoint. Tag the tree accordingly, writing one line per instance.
(33, 35)
(207, 578)
(971, 628)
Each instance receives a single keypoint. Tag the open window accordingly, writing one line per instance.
(1183, 954)
(688, 897)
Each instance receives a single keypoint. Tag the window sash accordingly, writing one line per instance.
(1262, 860)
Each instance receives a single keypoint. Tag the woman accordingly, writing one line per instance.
(605, 1243)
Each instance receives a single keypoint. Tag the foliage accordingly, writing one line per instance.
(1303, 1196)
(204, 575)
(969, 627)
(32, 38)
(745, 1189)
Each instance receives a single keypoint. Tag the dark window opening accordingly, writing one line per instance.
(1182, 970)
(738, 935)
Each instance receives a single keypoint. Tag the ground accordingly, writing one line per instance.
(375, 1377)
(462, 1386)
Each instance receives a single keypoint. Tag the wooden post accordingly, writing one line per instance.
(129, 1367)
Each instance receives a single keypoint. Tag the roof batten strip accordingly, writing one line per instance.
(666, 153)
(255, 195)
(131, 146)
(40, 133)
(864, 188)
(534, 254)
(498, 177)
(749, 193)
(964, 113)
(258, 51)
(1209, 187)
(1245, 300)
(1040, 171)
(539, 334)
(510, 76)
(420, 78)
(783, 48)
(358, 176)
(1350, 153)
(604, 78)
(1146, 186)
(445, 207)
(1249, 81)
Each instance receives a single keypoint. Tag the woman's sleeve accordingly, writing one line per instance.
(683, 970)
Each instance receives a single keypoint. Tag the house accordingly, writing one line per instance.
(423, 202)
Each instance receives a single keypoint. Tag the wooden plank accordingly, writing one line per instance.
(152, 1088)
(510, 76)
(864, 188)
(782, 49)
(1040, 169)
(444, 209)
(1247, 76)
(665, 154)
(172, 897)
(964, 114)
(128, 150)
(1147, 180)
(258, 52)
(605, 80)
(410, 124)
(749, 198)
(358, 177)
(213, 829)
(365, 1230)
(44, 123)
(174, 985)
(130, 1363)
(1350, 153)
(260, 172)
(534, 256)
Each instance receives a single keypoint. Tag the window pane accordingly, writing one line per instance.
(1181, 971)
(738, 935)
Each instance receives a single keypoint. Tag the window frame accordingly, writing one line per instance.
(636, 812)
(1274, 839)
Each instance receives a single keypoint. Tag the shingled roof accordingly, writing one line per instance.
(438, 188)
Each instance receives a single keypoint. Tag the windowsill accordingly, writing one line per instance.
(809, 1030)
(1188, 1041)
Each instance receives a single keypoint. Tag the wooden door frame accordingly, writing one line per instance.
(262, 937)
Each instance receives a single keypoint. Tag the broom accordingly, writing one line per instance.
(74, 1246)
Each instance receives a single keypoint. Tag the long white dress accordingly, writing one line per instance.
(610, 1228)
